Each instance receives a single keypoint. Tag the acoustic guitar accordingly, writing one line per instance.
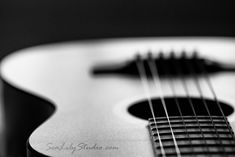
(134, 97)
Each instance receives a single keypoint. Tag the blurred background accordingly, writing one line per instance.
(26, 23)
(31, 22)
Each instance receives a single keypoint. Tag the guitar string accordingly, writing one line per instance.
(182, 78)
(171, 83)
(144, 80)
(207, 79)
(157, 82)
(199, 89)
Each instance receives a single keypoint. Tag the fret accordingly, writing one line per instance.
(192, 138)
(189, 119)
(199, 150)
(191, 122)
(191, 128)
(208, 139)
(185, 145)
(196, 143)
(205, 132)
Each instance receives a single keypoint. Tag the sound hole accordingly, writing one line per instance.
(141, 109)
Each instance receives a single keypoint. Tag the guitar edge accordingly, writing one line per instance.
(24, 112)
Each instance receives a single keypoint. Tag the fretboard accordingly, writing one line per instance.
(194, 136)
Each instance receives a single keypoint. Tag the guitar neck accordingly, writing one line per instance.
(192, 135)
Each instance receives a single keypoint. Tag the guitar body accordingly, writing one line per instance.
(88, 114)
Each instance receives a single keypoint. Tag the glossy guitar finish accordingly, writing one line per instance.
(91, 115)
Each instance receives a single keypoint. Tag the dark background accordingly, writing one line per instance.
(25, 23)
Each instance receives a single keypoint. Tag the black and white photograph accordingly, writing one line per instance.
(117, 78)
